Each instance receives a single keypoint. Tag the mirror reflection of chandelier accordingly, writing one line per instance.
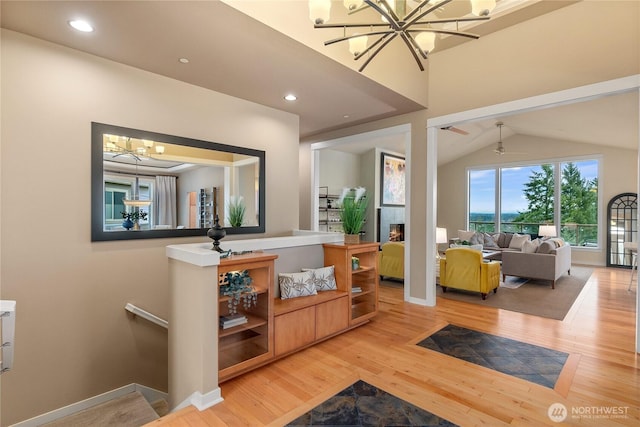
(399, 18)
(124, 146)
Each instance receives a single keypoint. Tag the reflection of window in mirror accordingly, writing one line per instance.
(121, 187)
(169, 174)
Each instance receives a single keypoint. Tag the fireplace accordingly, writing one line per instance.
(396, 232)
(390, 223)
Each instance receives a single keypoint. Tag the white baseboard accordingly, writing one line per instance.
(201, 401)
(149, 394)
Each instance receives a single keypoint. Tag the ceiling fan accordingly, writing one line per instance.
(500, 148)
(455, 129)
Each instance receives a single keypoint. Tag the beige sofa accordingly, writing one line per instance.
(546, 266)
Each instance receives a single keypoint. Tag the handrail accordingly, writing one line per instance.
(137, 311)
(8, 316)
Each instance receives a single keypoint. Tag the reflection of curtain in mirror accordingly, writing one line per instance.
(165, 212)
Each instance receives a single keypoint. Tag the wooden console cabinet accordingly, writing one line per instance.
(279, 327)
(244, 347)
(300, 322)
(361, 284)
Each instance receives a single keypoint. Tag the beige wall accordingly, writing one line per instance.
(73, 337)
(618, 173)
(587, 42)
(339, 170)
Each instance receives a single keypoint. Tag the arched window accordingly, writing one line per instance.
(622, 226)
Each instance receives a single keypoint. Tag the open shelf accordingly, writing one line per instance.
(252, 322)
(246, 346)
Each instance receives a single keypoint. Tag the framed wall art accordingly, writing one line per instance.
(392, 175)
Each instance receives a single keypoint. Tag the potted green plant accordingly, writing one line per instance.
(353, 210)
(237, 210)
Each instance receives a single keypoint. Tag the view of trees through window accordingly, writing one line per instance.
(530, 197)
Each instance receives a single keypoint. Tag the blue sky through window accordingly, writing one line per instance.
(482, 186)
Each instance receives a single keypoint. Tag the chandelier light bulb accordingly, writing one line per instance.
(426, 40)
(147, 143)
(159, 149)
(482, 7)
(319, 11)
(358, 45)
(353, 4)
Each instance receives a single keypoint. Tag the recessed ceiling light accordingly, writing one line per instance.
(81, 25)
(290, 97)
(183, 60)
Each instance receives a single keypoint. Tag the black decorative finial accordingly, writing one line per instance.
(216, 233)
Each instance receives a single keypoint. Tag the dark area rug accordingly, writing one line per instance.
(526, 361)
(362, 404)
(531, 297)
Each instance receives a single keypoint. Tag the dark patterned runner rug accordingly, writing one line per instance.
(526, 361)
(362, 404)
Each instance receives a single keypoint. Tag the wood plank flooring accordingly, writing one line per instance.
(602, 373)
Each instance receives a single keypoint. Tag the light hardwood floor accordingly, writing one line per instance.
(602, 373)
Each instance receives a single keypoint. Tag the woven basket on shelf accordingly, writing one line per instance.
(351, 239)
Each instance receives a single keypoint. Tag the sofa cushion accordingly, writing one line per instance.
(489, 241)
(517, 240)
(477, 239)
(530, 247)
(505, 240)
(465, 235)
(546, 247)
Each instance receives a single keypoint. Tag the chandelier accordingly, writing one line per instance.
(398, 19)
(137, 149)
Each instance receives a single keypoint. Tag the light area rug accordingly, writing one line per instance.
(533, 296)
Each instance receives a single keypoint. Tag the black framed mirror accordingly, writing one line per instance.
(147, 185)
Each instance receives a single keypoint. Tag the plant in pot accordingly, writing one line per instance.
(131, 219)
(353, 210)
(237, 210)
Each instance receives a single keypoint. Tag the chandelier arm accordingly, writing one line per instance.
(373, 55)
(341, 39)
(448, 20)
(390, 10)
(350, 25)
(412, 46)
(449, 32)
(135, 156)
(373, 45)
(415, 19)
(418, 7)
(392, 19)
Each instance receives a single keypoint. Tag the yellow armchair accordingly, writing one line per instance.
(391, 260)
(465, 269)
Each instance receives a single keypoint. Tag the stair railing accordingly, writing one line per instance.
(137, 311)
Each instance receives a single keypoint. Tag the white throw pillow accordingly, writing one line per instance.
(529, 247)
(465, 235)
(324, 278)
(518, 240)
(294, 285)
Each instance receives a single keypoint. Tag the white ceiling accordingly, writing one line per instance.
(232, 53)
